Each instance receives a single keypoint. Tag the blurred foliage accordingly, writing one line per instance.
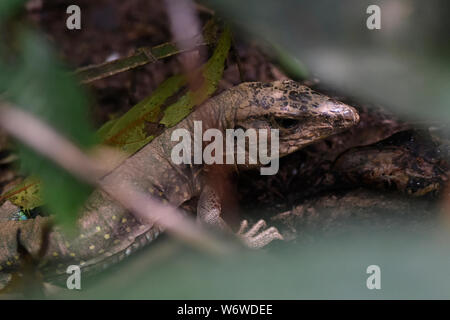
(40, 84)
(404, 66)
(293, 67)
(413, 266)
(8, 7)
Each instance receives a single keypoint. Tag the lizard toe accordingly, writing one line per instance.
(254, 239)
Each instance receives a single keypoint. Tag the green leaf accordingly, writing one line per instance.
(9, 7)
(212, 73)
(43, 87)
(129, 132)
(26, 195)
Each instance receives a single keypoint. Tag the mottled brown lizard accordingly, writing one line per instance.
(108, 233)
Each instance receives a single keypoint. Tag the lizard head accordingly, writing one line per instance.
(301, 115)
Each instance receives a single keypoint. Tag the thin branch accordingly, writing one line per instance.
(49, 143)
(184, 24)
(141, 57)
(145, 55)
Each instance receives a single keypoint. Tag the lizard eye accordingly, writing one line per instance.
(286, 123)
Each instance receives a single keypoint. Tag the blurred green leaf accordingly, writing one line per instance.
(9, 7)
(41, 85)
(414, 265)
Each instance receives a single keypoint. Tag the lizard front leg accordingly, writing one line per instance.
(209, 211)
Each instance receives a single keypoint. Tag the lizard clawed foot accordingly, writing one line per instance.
(255, 239)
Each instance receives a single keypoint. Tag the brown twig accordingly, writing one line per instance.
(184, 25)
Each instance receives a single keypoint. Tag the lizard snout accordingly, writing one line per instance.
(343, 116)
(350, 116)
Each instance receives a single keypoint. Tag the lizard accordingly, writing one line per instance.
(107, 233)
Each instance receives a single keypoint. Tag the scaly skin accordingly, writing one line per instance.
(108, 233)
